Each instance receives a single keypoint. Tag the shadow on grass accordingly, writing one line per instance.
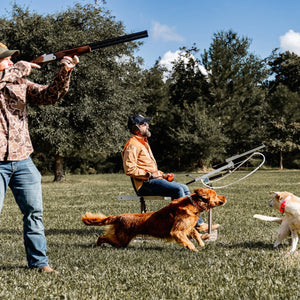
(81, 232)
(11, 231)
(130, 248)
(14, 267)
(248, 245)
(136, 244)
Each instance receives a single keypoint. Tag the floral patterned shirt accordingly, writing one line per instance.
(15, 93)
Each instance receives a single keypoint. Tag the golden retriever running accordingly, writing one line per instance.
(288, 204)
(175, 221)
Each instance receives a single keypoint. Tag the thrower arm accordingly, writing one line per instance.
(206, 177)
(229, 166)
(237, 156)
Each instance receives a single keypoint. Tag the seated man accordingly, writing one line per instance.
(140, 164)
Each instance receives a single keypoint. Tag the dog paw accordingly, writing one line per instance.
(193, 248)
(205, 236)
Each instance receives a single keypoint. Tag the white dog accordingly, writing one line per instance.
(287, 204)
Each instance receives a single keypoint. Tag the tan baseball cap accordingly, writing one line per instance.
(5, 52)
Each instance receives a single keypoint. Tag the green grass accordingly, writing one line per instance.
(241, 264)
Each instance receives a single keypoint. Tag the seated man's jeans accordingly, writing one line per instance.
(24, 180)
(162, 187)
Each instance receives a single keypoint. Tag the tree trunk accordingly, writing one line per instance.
(281, 160)
(59, 174)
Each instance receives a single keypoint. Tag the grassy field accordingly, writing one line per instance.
(241, 264)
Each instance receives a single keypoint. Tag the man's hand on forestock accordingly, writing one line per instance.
(70, 62)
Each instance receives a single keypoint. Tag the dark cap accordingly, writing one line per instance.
(5, 52)
(134, 120)
(139, 119)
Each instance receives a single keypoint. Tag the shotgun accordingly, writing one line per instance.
(45, 58)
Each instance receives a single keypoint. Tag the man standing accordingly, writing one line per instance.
(140, 164)
(16, 167)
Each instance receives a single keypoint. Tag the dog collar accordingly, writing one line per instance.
(283, 204)
(195, 203)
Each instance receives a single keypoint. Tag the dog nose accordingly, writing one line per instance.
(222, 200)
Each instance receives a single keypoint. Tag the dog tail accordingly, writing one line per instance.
(267, 218)
(94, 219)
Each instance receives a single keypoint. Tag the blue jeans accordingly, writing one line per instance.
(24, 180)
(162, 187)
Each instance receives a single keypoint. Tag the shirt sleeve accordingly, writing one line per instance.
(49, 94)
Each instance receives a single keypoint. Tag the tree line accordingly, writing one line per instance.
(198, 117)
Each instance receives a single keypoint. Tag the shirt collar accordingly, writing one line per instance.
(141, 139)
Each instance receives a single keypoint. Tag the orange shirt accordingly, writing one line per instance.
(138, 160)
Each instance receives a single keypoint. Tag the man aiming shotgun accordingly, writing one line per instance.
(17, 170)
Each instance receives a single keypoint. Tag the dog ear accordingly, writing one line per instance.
(282, 195)
(201, 192)
(204, 194)
(275, 195)
(197, 191)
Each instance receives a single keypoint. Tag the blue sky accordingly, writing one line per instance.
(172, 24)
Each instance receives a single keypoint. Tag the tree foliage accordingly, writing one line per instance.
(236, 96)
(198, 117)
(214, 112)
(187, 126)
(284, 105)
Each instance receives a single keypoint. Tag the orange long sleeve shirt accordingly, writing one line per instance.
(138, 160)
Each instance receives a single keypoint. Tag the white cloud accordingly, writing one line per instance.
(170, 57)
(165, 33)
(290, 42)
(203, 70)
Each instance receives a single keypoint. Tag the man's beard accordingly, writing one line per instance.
(147, 133)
